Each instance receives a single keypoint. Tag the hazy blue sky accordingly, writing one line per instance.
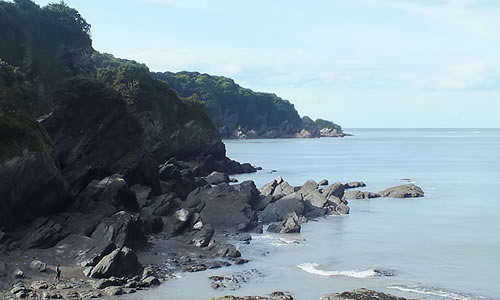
(361, 63)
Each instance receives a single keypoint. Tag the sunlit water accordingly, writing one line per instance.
(443, 246)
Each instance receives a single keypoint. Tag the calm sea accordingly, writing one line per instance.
(443, 246)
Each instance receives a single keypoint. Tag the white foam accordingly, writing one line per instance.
(433, 292)
(312, 268)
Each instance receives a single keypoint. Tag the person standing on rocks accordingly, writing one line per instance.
(58, 273)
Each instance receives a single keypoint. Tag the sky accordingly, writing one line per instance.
(360, 63)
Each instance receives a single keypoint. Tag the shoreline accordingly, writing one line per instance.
(277, 203)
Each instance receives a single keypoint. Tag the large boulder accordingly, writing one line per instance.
(226, 207)
(217, 177)
(278, 187)
(403, 191)
(83, 250)
(335, 189)
(361, 294)
(122, 262)
(283, 208)
(113, 190)
(290, 225)
(123, 229)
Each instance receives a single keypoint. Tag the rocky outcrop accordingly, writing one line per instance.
(360, 195)
(361, 294)
(354, 184)
(403, 191)
(121, 262)
(217, 177)
(308, 201)
(83, 250)
(226, 207)
(290, 225)
(123, 229)
(31, 185)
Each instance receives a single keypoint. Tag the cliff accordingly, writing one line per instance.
(239, 112)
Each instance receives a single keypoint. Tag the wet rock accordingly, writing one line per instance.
(177, 222)
(217, 177)
(323, 182)
(354, 184)
(244, 237)
(227, 250)
(403, 191)
(290, 225)
(38, 266)
(342, 209)
(119, 263)
(123, 229)
(360, 294)
(202, 238)
(360, 195)
(89, 294)
(150, 281)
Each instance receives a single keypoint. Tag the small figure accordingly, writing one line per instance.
(58, 273)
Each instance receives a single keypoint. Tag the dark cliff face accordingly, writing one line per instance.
(173, 127)
(236, 111)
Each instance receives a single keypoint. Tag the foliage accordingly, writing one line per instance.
(19, 132)
(320, 123)
(16, 92)
(230, 106)
(47, 44)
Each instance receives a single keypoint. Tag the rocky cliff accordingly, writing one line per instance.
(239, 112)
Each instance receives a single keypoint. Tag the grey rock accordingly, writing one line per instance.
(354, 184)
(18, 274)
(113, 190)
(263, 202)
(283, 208)
(123, 229)
(107, 282)
(308, 187)
(39, 285)
(360, 294)
(38, 266)
(83, 250)
(290, 225)
(150, 281)
(403, 191)
(113, 291)
(360, 195)
(31, 186)
(323, 182)
(226, 207)
(227, 250)
(119, 263)
(43, 233)
(244, 237)
(178, 221)
(202, 238)
(335, 189)
(342, 209)
(142, 194)
(217, 177)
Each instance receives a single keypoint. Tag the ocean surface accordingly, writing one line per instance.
(443, 246)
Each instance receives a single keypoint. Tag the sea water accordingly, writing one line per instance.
(445, 245)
